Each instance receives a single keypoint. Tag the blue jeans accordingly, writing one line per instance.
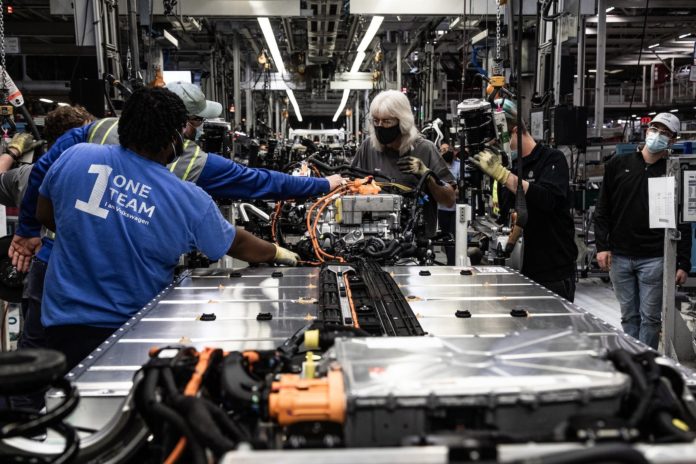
(638, 287)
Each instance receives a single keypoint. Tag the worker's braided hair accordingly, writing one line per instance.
(151, 119)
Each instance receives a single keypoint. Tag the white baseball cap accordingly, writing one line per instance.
(669, 120)
(195, 101)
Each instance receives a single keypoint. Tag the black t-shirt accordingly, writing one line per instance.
(622, 217)
(384, 162)
(550, 251)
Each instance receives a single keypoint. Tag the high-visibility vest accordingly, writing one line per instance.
(187, 167)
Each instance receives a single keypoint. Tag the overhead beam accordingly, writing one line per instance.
(639, 19)
(229, 8)
(39, 29)
(275, 82)
(671, 4)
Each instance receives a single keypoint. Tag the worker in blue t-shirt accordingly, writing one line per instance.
(220, 177)
(122, 222)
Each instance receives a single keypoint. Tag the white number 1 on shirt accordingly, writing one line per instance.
(91, 206)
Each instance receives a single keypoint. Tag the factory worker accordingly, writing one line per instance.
(627, 247)
(218, 176)
(13, 184)
(550, 251)
(122, 221)
(396, 149)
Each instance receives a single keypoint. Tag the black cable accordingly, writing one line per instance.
(635, 81)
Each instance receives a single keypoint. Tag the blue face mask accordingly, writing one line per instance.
(656, 142)
(199, 132)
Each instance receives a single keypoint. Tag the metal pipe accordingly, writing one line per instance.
(98, 38)
(236, 73)
(557, 29)
(463, 215)
(134, 34)
(652, 82)
(431, 83)
(277, 117)
(601, 55)
(398, 61)
(249, 113)
(671, 83)
(270, 110)
(579, 96)
(645, 69)
(356, 114)
(245, 215)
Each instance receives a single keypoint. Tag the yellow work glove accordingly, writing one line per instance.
(490, 163)
(285, 257)
(412, 165)
(22, 143)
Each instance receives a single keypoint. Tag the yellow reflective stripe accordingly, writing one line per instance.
(171, 169)
(95, 129)
(108, 132)
(188, 169)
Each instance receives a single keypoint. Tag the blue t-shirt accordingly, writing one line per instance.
(122, 223)
(221, 178)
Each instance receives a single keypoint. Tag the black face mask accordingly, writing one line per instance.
(387, 135)
(448, 156)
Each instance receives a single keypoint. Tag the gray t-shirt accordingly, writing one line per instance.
(13, 184)
(372, 159)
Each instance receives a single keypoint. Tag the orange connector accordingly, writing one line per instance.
(294, 399)
(365, 186)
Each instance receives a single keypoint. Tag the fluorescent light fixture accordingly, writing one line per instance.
(344, 100)
(359, 57)
(652, 114)
(675, 110)
(62, 104)
(371, 32)
(295, 106)
(610, 9)
(454, 23)
(654, 45)
(358, 61)
(45, 100)
(592, 71)
(176, 76)
(634, 115)
(267, 30)
(685, 35)
(170, 38)
(479, 37)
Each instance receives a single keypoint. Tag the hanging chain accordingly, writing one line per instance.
(497, 68)
(3, 85)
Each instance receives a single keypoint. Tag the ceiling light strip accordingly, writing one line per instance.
(267, 30)
(364, 43)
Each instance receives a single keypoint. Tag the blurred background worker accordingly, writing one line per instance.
(446, 214)
(550, 251)
(396, 149)
(13, 184)
(627, 247)
(138, 220)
